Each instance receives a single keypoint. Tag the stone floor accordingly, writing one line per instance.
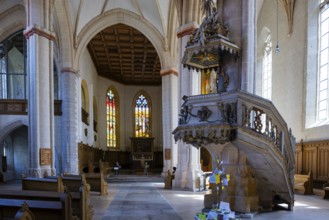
(143, 198)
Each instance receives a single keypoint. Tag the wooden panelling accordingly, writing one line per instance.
(20, 107)
(313, 157)
(13, 107)
(90, 156)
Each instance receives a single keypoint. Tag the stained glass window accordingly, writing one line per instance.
(111, 125)
(142, 117)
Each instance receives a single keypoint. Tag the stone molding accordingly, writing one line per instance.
(69, 70)
(30, 31)
(170, 71)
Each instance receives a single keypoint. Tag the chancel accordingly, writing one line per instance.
(204, 105)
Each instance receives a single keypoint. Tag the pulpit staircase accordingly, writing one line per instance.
(254, 126)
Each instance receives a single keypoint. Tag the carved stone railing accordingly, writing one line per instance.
(20, 107)
(218, 118)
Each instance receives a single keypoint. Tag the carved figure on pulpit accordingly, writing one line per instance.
(204, 113)
(184, 113)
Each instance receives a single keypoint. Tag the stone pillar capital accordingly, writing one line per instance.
(169, 71)
(69, 70)
(30, 31)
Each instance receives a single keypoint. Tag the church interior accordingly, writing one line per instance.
(222, 101)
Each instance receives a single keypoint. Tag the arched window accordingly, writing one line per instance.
(84, 102)
(267, 69)
(13, 77)
(112, 116)
(142, 111)
(95, 110)
(322, 84)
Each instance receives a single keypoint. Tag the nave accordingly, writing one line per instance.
(143, 197)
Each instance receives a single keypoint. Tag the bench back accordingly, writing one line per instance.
(301, 178)
(43, 204)
(43, 184)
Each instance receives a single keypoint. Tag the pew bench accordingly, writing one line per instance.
(24, 213)
(326, 190)
(79, 189)
(50, 210)
(64, 199)
(43, 184)
(95, 180)
(303, 183)
(105, 168)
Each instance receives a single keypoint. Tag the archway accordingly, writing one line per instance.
(14, 153)
(205, 160)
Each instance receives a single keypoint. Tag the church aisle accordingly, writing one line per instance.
(143, 198)
(138, 200)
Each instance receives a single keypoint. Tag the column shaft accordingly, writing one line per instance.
(169, 117)
(70, 119)
(40, 75)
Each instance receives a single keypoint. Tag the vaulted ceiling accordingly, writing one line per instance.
(123, 54)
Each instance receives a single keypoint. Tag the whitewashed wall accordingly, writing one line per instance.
(293, 93)
(87, 72)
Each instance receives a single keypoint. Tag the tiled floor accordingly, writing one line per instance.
(143, 198)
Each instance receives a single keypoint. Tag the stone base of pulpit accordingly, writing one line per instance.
(241, 191)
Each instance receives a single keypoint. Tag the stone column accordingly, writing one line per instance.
(188, 156)
(169, 117)
(40, 38)
(70, 83)
(240, 16)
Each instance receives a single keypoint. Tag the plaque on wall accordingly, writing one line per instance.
(45, 156)
(167, 154)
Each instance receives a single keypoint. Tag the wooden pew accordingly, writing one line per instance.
(326, 190)
(44, 204)
(43, 184)
(24, 213)
(95, 180)
(304, 183)
(79, 189)
(105, 168)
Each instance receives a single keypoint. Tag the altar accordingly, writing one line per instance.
(142, 151)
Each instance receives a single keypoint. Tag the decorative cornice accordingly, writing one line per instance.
(186, 31)
(169, 72)
(34, 30)
(69, 70)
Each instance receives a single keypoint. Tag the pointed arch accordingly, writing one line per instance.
(142, 105)
(112, 118)
(95, 111)
(84, 102)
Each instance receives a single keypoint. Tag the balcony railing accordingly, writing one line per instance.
(219, 118)
(20, 107)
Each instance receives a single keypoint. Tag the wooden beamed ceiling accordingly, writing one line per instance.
(123, 54)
